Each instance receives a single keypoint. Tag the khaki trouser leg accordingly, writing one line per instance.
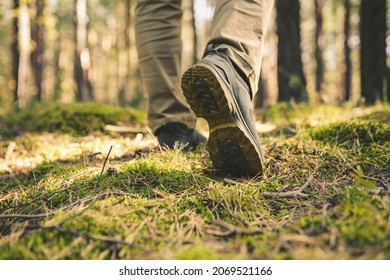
(158, 36)
(239, 28)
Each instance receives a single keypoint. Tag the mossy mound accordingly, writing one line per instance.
(374, 128)
(75, 118)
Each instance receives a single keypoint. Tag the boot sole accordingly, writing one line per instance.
(231, 146)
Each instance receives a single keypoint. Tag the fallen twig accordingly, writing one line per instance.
(235, 183)
(379, 191)
(220, 203)
(231, 182)
(22, 216)
(231, 230)
(104, 166)
(290, 194)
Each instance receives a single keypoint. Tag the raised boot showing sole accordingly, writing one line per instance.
(217, 93)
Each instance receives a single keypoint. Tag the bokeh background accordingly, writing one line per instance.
(318, 51)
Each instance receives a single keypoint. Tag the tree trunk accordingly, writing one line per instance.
(291, 79)
(319, 44)
(82, 61)
(37, 36)
(347, 51)
(388, 84)
(124, 87)
(262, 98)
(373, 49)
(58, 51)
(15, 52)
(195, 33)
(20, 52)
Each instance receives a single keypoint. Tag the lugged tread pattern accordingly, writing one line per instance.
(230, 149)
(204, 96)
(241, 159)
(214, 117)
(232, 157)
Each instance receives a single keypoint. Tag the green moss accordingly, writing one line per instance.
(160, 174)
(46, 244)
(199, 206)
(198, 252)
(165, 204)
(363, 220)
(56, 168)
(379, 116)
(360, 220)
(363, 142)
(314, 225)
(93, 224)
(289, 113)
(75, 118)
(47, 184)
(363, 131)
(283, 110)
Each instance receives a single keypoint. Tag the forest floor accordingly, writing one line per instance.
(325, 193)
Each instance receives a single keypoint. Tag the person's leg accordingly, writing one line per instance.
(220, 88)
(158, 39)
(239, 28)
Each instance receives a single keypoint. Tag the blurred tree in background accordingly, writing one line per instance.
(291, 79)
(329, 51)
(347, 52)
(319, 44)
(373, 29)
(15, 58)
(82, 55)
(37, 8)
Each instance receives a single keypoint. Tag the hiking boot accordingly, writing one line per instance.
(216, 92)
(177, 134)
